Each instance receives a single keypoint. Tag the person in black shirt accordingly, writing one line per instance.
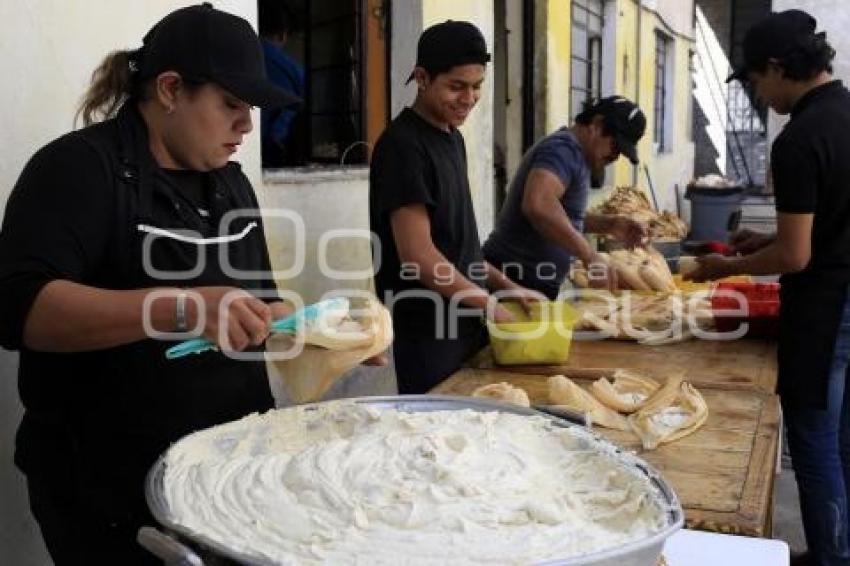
(789, 65)
(98, 219)
(429, 269)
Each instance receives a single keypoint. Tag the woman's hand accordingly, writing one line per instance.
(233, 318)
(280, 309)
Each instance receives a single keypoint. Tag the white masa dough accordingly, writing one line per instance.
(350, 484)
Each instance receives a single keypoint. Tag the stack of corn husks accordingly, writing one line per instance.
(641, 269)
(652, 320)
(632, 202)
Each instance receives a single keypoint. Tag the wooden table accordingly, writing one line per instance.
(748, 364)
(723, 473)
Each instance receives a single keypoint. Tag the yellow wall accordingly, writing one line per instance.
(626, 76)
(636, 80)
(558, 52)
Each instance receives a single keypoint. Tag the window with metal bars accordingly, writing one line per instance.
(662, 113)
(329, 46)
(586, 56)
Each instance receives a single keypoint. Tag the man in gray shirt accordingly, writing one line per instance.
(539, 229)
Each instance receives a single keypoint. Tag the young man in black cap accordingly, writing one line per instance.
(430, 260)
(539, 229)
(789, 65)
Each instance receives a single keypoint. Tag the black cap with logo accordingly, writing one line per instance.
(774, 37)
(623, 118)
(203, 43)
(450, 44)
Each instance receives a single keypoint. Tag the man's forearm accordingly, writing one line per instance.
(769, 260)
(598, 223)
(440, 275)
(557, 229)
(497, 280)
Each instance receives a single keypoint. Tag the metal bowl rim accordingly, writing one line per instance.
(155, 496)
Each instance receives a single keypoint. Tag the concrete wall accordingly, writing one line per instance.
(325, 200)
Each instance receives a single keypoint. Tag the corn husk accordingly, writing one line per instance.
(626, 391)
(564, 392)
(651, 319)
(504, 392)
(641, 269)
(633, 202)
(674, 411)
(666, 339)
(627, 265)
(311, 374)
(579, 277)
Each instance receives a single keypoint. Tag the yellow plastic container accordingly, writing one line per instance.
(542, 338)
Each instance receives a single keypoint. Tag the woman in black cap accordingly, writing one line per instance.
(790, 68)
(145, 200)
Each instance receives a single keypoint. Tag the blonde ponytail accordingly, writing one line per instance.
(111, 84)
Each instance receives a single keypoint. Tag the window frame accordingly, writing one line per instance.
(662, 105)
(581, 12)
(353, 126)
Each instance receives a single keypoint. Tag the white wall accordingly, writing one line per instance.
(409, 18)
(50, 48)
(678, 14)
(331, 199)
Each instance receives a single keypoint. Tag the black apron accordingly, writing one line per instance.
(129, 403)
(810, 315)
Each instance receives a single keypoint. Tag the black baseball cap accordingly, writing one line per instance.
(450, 44)
(774, 37)
(203, 43)
(623, 118)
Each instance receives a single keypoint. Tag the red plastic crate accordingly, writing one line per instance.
(762, 301)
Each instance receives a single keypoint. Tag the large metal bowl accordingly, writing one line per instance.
(644, 552)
